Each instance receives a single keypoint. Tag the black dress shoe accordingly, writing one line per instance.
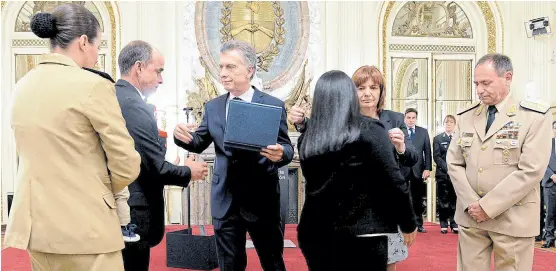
(443, 231)
(538, 238)
(548, 244)
(421, 229)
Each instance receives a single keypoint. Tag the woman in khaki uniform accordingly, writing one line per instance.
(74, 152)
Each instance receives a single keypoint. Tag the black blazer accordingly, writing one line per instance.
(551, 169)
(440, 145)
(357, 190)
(391, 119)
(245, 178)
(147, 192)
(421, 143)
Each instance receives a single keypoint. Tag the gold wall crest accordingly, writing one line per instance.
(259, 23)
(300, 95)
(278, 30)
(206, 91)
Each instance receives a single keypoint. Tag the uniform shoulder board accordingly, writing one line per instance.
(535, 106)
(471, 106)
(101, 74)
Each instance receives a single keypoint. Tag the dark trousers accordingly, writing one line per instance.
(550, 199)
(418, 192)
(332, 252)
(136, 255)
(543, 212)
(136, 258)
(446, 199)
(267, 237)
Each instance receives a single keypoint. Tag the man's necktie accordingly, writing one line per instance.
(491, 112)
(450, 137)
(411, 133)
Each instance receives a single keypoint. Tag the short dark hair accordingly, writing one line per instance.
(335, 116)
(66, 23)
(450, 117)
(134, 51)
(553, 123)
(411, 110)
(501, 63)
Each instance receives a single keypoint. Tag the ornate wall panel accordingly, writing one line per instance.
(278, 30)
(443, 19)
(431, 48)
(31, 8)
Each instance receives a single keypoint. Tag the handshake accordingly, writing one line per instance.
(199, 169)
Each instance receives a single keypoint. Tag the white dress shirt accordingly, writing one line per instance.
(246, 97)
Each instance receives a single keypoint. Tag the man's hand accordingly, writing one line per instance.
(296, 115)
(177, 161)
(273, 152)
(476, 212)
(553, 177)
(199, 170)
(397, 138)
(408, 238)
(426, 174)
(183, 132)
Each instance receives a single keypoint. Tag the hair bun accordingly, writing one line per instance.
(43, 25)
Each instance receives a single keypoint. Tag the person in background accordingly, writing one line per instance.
(353, 192)
(418, 173)
(371, 93)
(446, 196)
(550, 194)
(64, 211)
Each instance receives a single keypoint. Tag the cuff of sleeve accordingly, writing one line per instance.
(489, 211)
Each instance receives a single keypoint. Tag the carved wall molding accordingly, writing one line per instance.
(431, 48)
(487, 14)
(42, 43)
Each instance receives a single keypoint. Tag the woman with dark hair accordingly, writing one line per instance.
(352, 194)
(371, 94)
(74, 151)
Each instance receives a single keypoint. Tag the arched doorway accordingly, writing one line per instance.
(427, 52)
(22, 50)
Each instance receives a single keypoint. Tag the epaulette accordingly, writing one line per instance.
(536, 106)
(102, 74)
(471, 106)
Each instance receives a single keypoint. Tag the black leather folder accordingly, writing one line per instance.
(251, 126)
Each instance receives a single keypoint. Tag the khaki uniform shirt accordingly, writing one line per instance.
(503, 167)
(74, 153)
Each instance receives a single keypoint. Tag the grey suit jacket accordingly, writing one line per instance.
(551, 169)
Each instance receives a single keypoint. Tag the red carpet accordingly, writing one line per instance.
(431, 251)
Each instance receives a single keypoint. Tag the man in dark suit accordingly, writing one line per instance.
(417, 174)
(245, 193)
(550, 194)
(141, 67)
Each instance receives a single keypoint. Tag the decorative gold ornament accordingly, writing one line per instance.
(206, 91)
(300, 95)
(487, 14)
(511, 110)
(261, 24)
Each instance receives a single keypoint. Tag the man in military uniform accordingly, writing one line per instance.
(496, 163)
(446, 196)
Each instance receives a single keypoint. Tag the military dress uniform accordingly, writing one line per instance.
(500, 167)
(446, 196)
